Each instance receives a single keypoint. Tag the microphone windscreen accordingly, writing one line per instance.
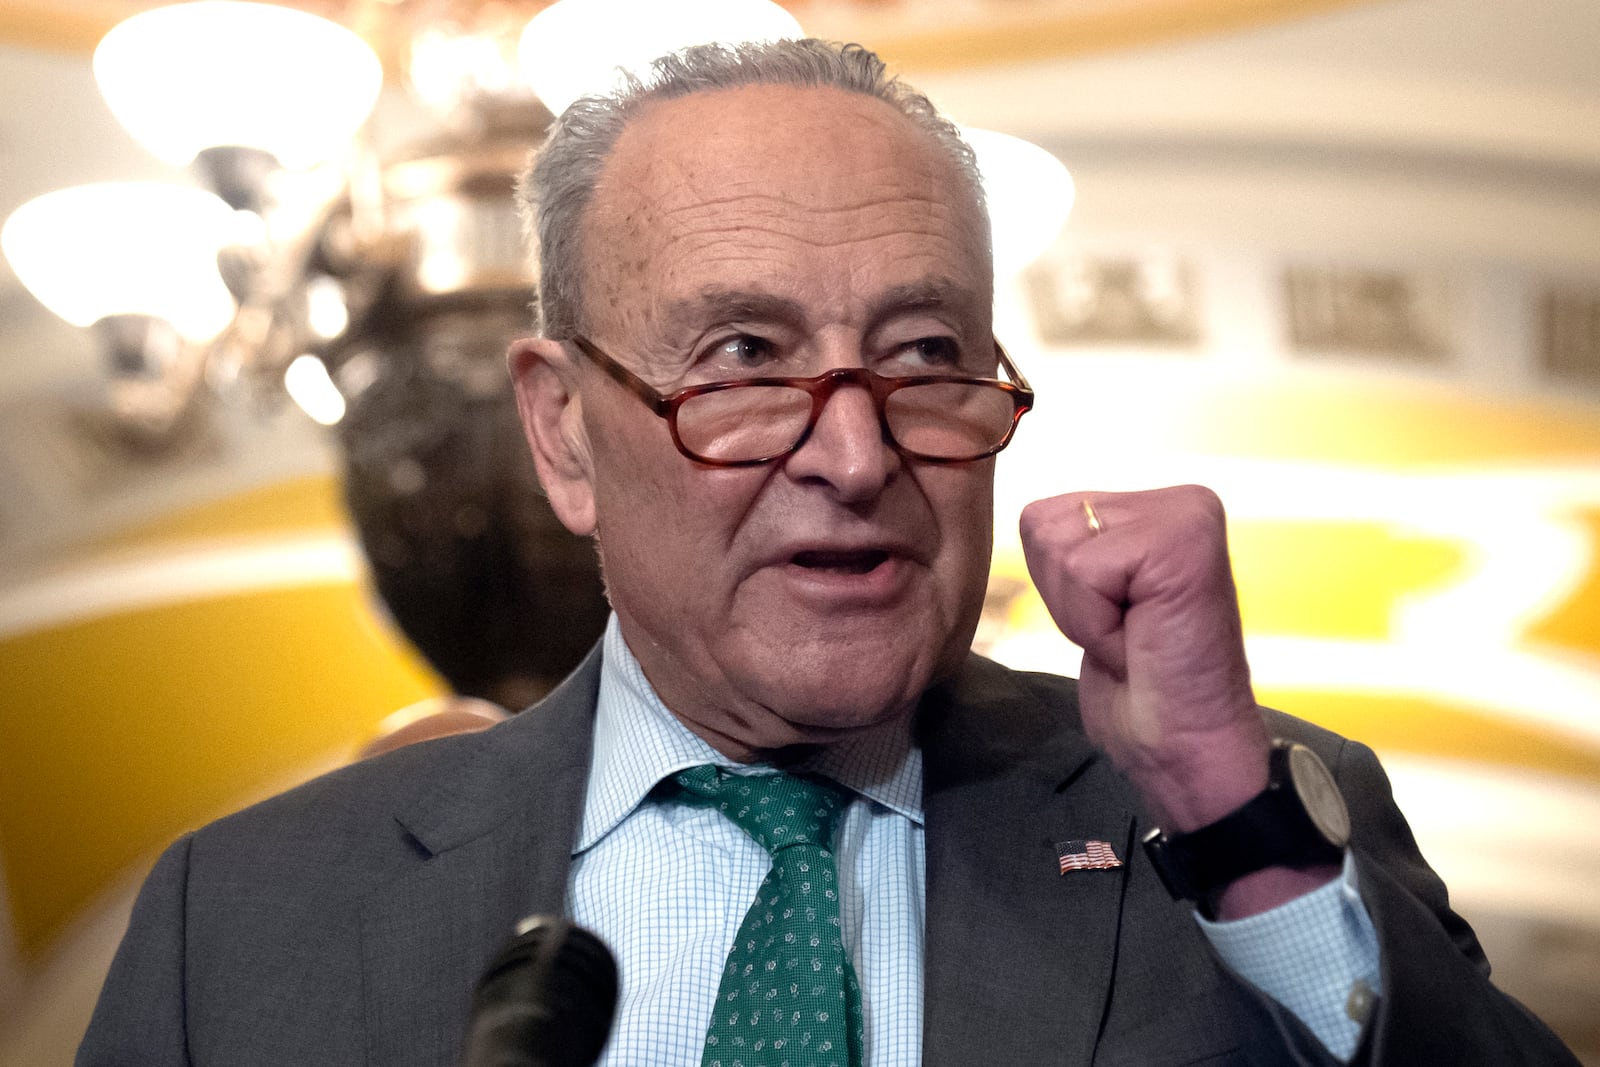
(546, 1000)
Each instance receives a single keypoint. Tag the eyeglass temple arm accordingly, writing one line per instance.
(1012, 371)
(624, 377)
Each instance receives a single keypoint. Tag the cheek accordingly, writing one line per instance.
(669, 527)
(966, 517)
(963, 500)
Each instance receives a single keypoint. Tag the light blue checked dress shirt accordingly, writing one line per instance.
(666, 886)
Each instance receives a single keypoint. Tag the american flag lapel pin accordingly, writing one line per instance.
(1086, 856)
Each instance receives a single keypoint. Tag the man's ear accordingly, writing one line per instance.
(545, 380)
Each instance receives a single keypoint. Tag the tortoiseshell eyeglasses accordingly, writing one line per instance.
(937, 418)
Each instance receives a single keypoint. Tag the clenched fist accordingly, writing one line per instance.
(1165, 687)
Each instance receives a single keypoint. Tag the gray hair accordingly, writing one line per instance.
(554, 194)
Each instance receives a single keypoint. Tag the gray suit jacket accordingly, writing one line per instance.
(347, 921)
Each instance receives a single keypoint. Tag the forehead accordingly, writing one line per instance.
(813, 193)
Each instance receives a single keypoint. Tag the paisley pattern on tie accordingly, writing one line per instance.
(789, 996)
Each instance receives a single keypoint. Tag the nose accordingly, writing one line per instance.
(846, 450)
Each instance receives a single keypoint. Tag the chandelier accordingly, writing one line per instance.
(303, 245)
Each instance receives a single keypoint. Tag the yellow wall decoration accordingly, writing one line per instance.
(120, 731)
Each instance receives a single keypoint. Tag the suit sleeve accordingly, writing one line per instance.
(1438, 1005)
(140, 1017)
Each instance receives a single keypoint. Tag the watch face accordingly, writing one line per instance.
(1319, 794)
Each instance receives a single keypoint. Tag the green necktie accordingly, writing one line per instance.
(789, 996)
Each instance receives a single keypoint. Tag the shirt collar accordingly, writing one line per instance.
(638, 742)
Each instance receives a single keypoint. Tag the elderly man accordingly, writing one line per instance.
(812, 826)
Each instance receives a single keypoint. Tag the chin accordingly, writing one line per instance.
(833, 718)
(848, 694)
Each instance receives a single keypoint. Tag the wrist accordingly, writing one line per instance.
(1211, 779)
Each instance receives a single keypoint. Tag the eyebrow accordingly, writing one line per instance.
(933, 293)
(715, 302)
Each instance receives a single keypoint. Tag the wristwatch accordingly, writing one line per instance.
(1298, 820)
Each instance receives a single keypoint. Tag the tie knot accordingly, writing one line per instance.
(777, 810)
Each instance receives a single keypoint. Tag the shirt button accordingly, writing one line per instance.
(1358, 1006)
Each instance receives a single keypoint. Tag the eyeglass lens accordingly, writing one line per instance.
(939, 420)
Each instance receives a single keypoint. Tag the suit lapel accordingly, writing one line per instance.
(1019, 956)
(493, 837)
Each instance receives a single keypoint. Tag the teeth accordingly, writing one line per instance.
(853, 562)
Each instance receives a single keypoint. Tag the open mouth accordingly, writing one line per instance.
(860, 562)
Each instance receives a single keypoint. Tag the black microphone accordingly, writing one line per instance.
(545, 1001)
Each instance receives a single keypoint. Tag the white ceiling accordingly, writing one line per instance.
(1457, 76)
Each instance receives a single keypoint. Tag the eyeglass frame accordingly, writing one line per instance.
(821, 388)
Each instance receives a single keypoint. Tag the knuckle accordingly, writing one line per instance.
(1039, 521)
(1205, 502)
(1031, 519)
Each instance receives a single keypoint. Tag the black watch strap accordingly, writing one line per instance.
(1273, 829)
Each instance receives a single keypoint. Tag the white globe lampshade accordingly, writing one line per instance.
(1030, 195)
(225, 72)
(574, 47)
(144, 248)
